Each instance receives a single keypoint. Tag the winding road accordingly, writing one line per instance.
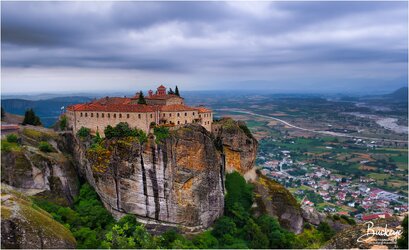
(312, 130)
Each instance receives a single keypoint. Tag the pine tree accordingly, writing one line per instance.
(3, 113)
(177, 91)
(141, 99)
(30, 118)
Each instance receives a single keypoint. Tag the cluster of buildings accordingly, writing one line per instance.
(357, 194)
(160, 108)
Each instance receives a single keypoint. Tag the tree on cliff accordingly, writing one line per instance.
(30, 118)
(141, 99)
(170, 92)
(177, 91)
(3, 113)
(122, 130)
(403, 240)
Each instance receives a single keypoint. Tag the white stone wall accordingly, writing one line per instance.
(206, 120)
(98, 121)
(170, 101)
(178, 117)
(174, 100)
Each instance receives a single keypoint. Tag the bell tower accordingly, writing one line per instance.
(161, 90)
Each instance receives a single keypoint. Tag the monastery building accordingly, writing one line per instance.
(161, 108)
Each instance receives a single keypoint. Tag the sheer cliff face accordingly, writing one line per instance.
(236, 142)
(176, 182)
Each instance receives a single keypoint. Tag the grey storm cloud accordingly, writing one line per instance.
(257, 39)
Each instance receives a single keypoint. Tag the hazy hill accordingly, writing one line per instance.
(399, 94)
(48, 110)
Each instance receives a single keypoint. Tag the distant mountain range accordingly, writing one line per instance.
(399, 94)
(48, 110)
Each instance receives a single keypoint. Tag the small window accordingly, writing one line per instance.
(81, 114)
(178, 114)
(127, 116)
(86, 114)
(151, 116)
(185, 114)
(97, 115)
(193, 113)
(92, 114)
(120, 115)
(185, 121)
(139, 116)
(102, 115)
(200, 116)
(170, 115)
(164, 115)
(109, 115)
(178, 122)
(114, 115)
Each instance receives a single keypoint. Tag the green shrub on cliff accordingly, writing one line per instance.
(279, 237)
(238, 191)
(122, 130)
(83, 132)
(403, 240)
(326, 230)
(63, 122)
(45, 147)
(12, 138)
(10, 143)
(245, 129)
(161, 133)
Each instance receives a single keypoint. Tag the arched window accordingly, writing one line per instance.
(193, 113)
(139, 116)
(92, 114)
(127, 116)
(97, 115)
(151, 116)
(170, 114)
(185, 121)
(102, 115)
(178, 114)
(114, 115)
(109, 115)
(86, 114)
(120, 115)
(164, 114)
(185, 114)
(178, 122)
(81, 114)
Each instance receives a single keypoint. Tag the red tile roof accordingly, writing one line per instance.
(9, 127)
(112, 107)
(203, 110)
(375, 216)
(162, 97)
(176, 107)
(123, 104)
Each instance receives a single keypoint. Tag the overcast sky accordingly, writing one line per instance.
(277, 46)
